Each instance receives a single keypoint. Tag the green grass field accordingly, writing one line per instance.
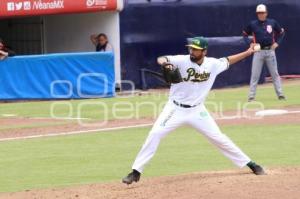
(107, 156)
(139, 106)
(101, 157)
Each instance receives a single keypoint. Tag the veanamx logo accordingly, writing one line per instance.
(40, 5)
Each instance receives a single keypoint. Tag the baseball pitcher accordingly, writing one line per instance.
(191, 77)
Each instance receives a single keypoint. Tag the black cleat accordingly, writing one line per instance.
(134, 176)
(281, 97)
(250, 99)
(256, 169)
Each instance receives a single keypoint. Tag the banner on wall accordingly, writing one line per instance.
(58, 76)
(13, 8)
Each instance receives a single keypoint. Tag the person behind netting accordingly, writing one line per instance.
(101, 42)
(5, 51)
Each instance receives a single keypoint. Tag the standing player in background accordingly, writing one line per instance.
(192, 77)
(268, 34)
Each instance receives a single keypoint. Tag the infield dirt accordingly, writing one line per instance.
(237, 184)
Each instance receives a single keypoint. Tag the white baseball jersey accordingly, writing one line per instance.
(197, 79)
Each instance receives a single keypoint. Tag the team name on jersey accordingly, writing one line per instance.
(196, 77)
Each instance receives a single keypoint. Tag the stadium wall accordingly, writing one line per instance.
(151, 29)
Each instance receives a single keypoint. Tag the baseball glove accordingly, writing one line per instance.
(171, 74)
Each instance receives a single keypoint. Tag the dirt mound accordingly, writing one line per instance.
(238, 184)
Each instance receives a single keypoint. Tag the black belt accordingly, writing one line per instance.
(266, 47)
(183, 105)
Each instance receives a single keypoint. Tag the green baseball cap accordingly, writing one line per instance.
(198, 43)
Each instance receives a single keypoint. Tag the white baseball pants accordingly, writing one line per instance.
(198, 117)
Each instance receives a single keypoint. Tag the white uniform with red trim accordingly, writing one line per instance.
(186, 106)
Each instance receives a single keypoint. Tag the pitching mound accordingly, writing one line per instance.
(238, 184)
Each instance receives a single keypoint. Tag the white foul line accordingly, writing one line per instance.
(107, 129)
(91, 131)
(75, 132)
